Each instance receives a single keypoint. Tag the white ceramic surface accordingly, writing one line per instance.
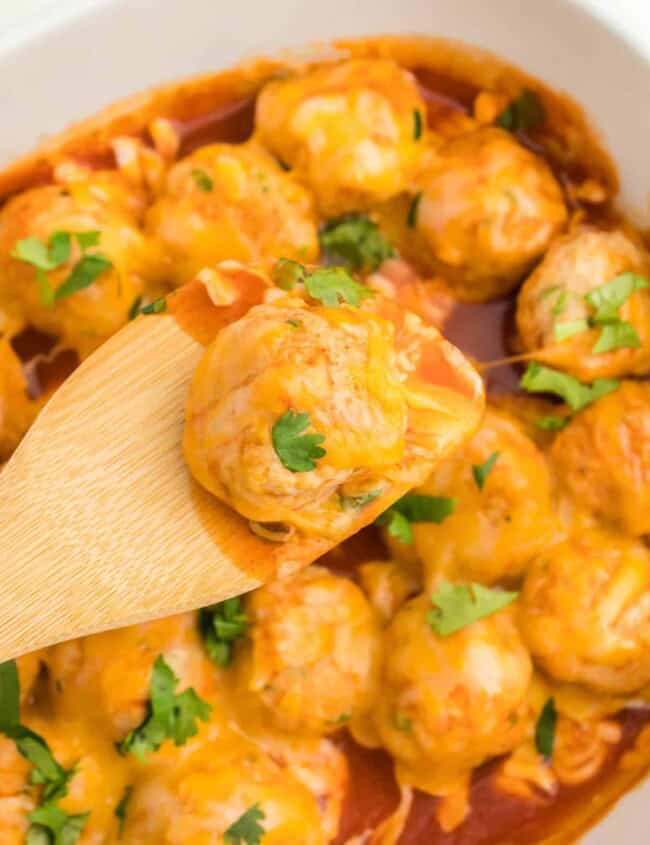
(60, 61)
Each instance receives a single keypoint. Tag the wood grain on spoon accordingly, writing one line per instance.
(101, 524)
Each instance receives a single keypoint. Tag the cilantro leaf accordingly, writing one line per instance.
(155, 307)
(619, 334)
(52, 825)
(333, 285)
(298, 452)
(247, 830)
(397, 525)
(545, 729)
(417, 124)
(87, 239)
(83, 274)
(170, 716)
(552, 423)
(134, 310)
(59, 247)
(414, 507)
(47, 771)
(34, 251)
(295, 324)
(356, 241)
(608, 298)
(220, 625)
(541, 379)
(457, 605)
(359, 501)
(202, 180)
(412, 214)
(286, 274)
(525, 112)
(122, 809)
(569, 328)
(481, 471)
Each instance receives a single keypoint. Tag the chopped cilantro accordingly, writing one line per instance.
(171, 715)
(415, 507)
(525, 112)
(134, 310)
(356, 241)
(295, 324)
(50, 825)
(155, 307)
(247, 830)
(286, 274)
(552, 423)
(417, 124)
(298, 452)
(220, 625)
(619, 334)
(402, 722)
(202, 180)
(481, 471)
(412, 214)
(545, 729)
(333, 285)
(122, 809)
(457, 605)
(397, 525)
(541, 379)
(359, 501)
(45, 257)
(569, 328)
(46, 770)
(608, 298)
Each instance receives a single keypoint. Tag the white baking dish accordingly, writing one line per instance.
(64, 61)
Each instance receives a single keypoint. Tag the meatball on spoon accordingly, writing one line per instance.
(309, 412)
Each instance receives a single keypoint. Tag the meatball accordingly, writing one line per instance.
(554, 295)
(98, 204)
(496, 529)
(348, 129)
(113, 670)
(228, 201)
(449, 703)
(313, 657)
(196, 798)
(603, 458)
(488, 208)
(585, 611)
(318, 416)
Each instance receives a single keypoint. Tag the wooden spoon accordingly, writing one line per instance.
(101, 524)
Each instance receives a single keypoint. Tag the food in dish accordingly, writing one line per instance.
(377, 228)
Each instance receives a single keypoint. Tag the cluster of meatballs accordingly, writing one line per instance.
(557, 519)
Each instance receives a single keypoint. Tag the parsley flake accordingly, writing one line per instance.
(417, 124)
(298, 452)
(220, 625)
(122, 809)
(46, 770)
(202, 180)
(552, 423)
(356, 241)
(247, 830)
(333, 285)
(457, 605)
(545, 729)
(50, 825)
(295, 324)
(359, 501)
(569, 328)
(481, 471)
(541, 379)
(286, 274)
(171, 715)
(412, 214)
(413, 508)
(524, 113)
(45, 257)
(155, 307)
